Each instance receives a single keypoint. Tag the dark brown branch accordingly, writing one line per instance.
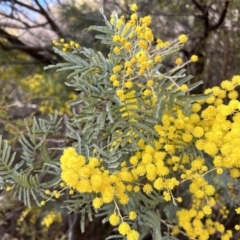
(53, 25)
(13, 18)
(26, 25)
(22, 4)
(19, 27)
(222, 17)
(17, 44)
(199, 6)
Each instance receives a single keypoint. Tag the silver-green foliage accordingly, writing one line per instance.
(93, 127)
(98, 117)
(34, 171)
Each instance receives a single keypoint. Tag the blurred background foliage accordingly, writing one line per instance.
(27, 29)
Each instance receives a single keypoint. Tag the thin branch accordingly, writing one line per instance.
(221, 18)
(198, 5)
(53, 25)
(11, 25)
(22, 4)
(18, 20)
(19, 45)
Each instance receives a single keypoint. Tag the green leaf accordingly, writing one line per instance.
(114, 237)
(101, 120)
(128, 32)
(108, 110)
(194, 85)
(70, 57)
(141, 136)
(6, 160)
(23, 184)
(115, 20)
(44, 153)
(159, 108)
(109, 42)
(82, 221)
(105, 19)
(142, 126)
(194, 98)
(89, 212)
(170, 211)
(103, 153)
(119, 122)
(102, 29)
(181, 82)
(57, 65)
(104, 37)
(152, 219)
(75, 67)
(25, 142)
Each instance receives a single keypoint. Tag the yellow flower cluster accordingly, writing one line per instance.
(221, 138)
(192, 222)
(47, 91)
(134, 7)
(90, 176)
(65, 46)
(176, 156)
(29, 216)
(183, 38)
(134, 40)
(179, 61)
(123, 227)
(55, 193)
(194, 58)
(151, 168)
(50, 218)
(210, 131)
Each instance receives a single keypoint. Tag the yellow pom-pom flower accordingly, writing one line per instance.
(134, 7)
(198, 132)
(183, 38)
(132, 215)
(124, 228)
(184, 87)
(97, 203)
(237, 210)
(179, 61)
(207, 210)
(157, 58)
(132, 235)
(114, 219)
(194, 58)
